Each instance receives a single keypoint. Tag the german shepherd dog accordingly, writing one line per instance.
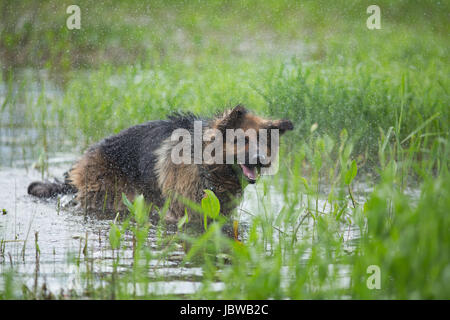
(139, 160)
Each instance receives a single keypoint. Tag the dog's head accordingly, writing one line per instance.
(250, 142)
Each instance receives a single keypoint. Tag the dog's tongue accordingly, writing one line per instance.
(249, 173)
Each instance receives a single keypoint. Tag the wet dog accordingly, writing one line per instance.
(150, 159)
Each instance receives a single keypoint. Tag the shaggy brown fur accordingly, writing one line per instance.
(138, 161)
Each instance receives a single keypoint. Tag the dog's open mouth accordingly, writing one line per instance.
(250, 172)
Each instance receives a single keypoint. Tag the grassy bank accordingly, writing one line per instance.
(371, 116)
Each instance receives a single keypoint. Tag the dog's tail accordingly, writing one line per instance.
(47, 189)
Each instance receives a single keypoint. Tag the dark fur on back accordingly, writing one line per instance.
(132, 150)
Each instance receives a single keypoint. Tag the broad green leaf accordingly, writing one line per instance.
(210, 204)
(351, 173)
(140, 210)
(114, 236)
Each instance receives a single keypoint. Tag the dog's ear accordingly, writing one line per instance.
(233, 118)
(282, 125)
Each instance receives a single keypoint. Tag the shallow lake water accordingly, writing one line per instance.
(61, 238)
